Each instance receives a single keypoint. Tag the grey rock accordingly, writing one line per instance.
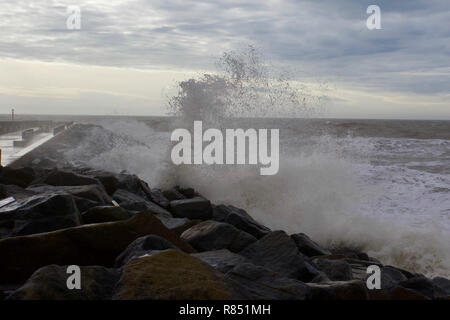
(142, 246)
(278, 252)
(40, 213)
(213, 235)
(49, 283)
(21, 177)
(336, 270)
(307, 246)
(240, 219)
(223, 260)
(195, 208)
(65, 178)
(136, 203)
(256, 282)
(173, 194)
(158, 197)
(104, 214)
(391, 276)
(339, 290)
(424, 286)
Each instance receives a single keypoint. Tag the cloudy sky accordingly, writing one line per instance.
(129, 54)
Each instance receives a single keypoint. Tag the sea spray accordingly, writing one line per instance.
(321, 189)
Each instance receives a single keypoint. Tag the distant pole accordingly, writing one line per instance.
(12, 114)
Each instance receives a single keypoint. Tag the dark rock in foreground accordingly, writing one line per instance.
(278, 252)
(171, 274)
(104, 214)
(213, 235)
(240, 219)
(94, 244)
(49, 283)
(194, 208)
(256, 282)
(141, 246)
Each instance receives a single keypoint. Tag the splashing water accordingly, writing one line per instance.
(326, 187)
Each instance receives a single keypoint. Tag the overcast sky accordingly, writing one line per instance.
(128, 55)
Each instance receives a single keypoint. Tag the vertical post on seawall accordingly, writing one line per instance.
(12, 114)
(0, 157)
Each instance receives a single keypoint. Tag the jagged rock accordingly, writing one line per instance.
(142, 246)
(444, 286)
(391, 276)
(307, 246)
(194, 208)
(395, 293)
(40, 213)
(351, 253)
(3, 192)
(109, 180)
(158, 197)
(65, 178)
(93, 192)
(240, 219)
(93, 244)
(49, 283)
(424, 286)
(85, 197)
(179, 225)
(171, 275)
(189, 193)
(173, 194)
(336, 270)
(256, 282)
(21, 177)
(136, 203)
(104, 214)
(278, 252)
(18, 192)
(339, 290)
(222, 260)
(213, 235)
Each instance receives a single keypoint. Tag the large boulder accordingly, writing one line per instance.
(391, 276)
(194, 208)
(424, 286)
(222, 260)
(339, 290)
(39, 213)
(171, 275)
(213, 235)
(58, 177)
(104, 214)
(240, 219)
(142, 246)
(93, 244)
(256, 282)
(308, 247)
(179, 225)
(85, 197)
(137, 203)
(444, 285)
(158, 197)
(50, 283)
(336, 270)
(278, 252)
(21, 177)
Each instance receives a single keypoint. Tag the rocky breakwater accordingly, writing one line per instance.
(133, 241)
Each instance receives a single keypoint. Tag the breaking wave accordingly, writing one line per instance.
(321, 189)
